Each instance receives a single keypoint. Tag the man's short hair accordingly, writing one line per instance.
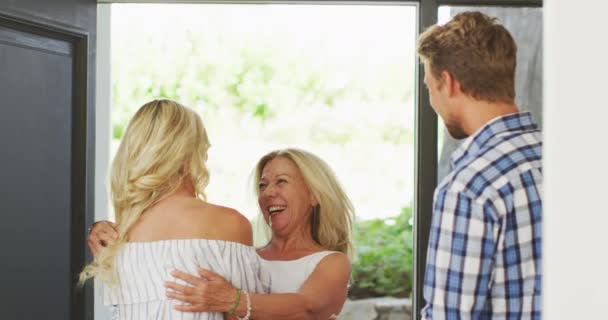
(477, 51)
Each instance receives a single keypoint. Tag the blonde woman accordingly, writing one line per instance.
(307, 257)
(163, 223)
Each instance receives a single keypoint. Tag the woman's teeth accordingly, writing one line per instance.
(275, 209)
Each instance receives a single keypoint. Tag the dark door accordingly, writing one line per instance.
(47, 156)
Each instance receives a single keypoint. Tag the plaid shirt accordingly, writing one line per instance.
(484, 257)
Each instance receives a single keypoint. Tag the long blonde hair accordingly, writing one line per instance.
(332, 219)
(164, 144)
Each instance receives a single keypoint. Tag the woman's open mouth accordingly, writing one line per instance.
(274, 210)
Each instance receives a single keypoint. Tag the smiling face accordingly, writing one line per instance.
(284, 197)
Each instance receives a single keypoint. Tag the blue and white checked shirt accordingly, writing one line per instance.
(484, 257)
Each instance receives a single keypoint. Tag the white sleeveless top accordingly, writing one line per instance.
(142, 268)
(287, 276)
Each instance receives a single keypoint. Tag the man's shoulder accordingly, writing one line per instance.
(498, 164)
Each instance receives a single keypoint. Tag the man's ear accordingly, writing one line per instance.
(451, 85)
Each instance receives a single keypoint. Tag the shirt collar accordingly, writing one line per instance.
(513, 122)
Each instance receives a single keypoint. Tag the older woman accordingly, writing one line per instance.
(307, 260)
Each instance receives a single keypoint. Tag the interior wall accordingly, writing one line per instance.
(575, 155)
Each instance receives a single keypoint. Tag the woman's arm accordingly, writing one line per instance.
(321, 296)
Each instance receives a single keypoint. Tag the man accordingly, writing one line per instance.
(484, 257)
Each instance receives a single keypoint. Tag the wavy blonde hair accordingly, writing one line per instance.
(332, 219)
(164, 144)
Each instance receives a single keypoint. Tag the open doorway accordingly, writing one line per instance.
(337, 80)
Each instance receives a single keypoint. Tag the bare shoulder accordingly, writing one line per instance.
(335, 263)
(227, 223)
(191, 218)
(327, 286)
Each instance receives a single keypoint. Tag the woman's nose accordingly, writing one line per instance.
(269, 192)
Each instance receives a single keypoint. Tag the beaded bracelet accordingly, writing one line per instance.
(248, 314)
(236, 302)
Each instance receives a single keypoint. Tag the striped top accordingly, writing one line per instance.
(142, 268)
(287, 276)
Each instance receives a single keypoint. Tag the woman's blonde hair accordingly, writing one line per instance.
(164, 144)
(332, 219)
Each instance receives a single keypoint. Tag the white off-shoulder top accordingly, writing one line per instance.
(142, 267)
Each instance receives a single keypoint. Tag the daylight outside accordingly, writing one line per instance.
(336, 80)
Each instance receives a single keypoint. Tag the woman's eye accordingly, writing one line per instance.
(281, 181)
(261, 186)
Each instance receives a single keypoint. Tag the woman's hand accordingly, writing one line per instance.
(102, 233)
(208, 293)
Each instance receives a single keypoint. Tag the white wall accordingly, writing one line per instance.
(575, 160)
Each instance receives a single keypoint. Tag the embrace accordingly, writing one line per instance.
(170, 245)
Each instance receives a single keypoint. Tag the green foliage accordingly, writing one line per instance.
(384, 258)
(118, 130)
